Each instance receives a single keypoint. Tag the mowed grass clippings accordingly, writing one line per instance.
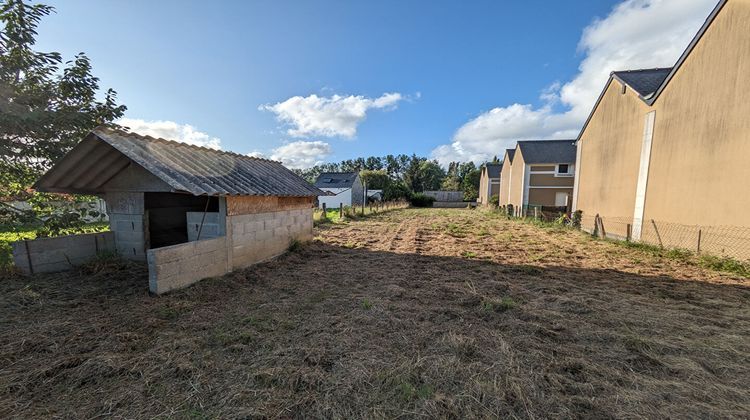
(505, 319)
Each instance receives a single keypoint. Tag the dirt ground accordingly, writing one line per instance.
(414, 313)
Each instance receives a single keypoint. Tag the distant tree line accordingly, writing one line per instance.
(400, 176)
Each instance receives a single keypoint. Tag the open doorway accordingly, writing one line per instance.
(167, 216)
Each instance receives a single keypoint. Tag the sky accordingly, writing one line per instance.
(307, 82)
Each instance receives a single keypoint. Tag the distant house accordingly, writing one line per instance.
(505, 176)
(190, 212)
(346, 188)
(671, 146)
(489, 183)
(542, 174)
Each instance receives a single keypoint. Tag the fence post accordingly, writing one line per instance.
(28, 256)
(629, 232)
(324, 212)
(658, 236)
(700, 234)
(341, 210)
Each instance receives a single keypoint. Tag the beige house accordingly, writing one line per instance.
(663, 157)
(489, 183)
(541, 175)
(505, 177)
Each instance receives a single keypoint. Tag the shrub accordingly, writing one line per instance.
(576, 219)
(494, 200)
(421, 200)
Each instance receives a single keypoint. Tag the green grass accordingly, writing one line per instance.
(725, 264)
(497, 305)
(366, 304)
(9, 235)
(711, 262)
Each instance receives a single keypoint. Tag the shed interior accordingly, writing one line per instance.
(168, 216)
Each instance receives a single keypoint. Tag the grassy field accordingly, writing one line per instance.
(411, 313)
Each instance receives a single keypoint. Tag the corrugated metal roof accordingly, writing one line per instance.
(548, 151)
(645, 82)
(336, 179)
(185, 168)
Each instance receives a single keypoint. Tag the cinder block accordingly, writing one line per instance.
(281, 232)
(129, 236)
(124, 202)
(174, 252)
(209, 245)
(168, 269)
(254, 226)
(270, 224)
(264, 235)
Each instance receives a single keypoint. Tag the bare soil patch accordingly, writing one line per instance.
(413, 313)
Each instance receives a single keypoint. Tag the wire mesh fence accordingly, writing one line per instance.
(353, 212)
(725, 241)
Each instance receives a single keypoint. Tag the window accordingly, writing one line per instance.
(564, 169)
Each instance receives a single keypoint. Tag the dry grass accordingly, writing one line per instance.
(414, 313)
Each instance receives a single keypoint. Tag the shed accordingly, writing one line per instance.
(191, 212)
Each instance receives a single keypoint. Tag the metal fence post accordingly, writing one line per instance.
(324, 211)
(341, 210)
(700, 234)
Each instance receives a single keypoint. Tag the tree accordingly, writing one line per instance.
(375, 180)
(451, 183)
(470, 184)
(43, 112)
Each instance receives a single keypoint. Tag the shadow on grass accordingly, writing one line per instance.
(335, 332)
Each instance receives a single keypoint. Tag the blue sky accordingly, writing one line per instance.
(313, 81)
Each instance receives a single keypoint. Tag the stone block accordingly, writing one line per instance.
(270, 224)
(263, 235)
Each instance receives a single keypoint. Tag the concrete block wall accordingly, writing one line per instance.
(177, 266)
(258, 237)
(212, 225)
(46, 255)
(129, 223)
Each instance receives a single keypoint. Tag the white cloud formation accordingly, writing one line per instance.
(330, 117)
(171, 130)
(302, 154)
(636, 34)
(257, 154)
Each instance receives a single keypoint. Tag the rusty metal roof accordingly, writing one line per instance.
(107, 151)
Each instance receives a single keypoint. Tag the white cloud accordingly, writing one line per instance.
(257, 154)
(330, 117)
(302, 154)
(636, 34)
(171, 130)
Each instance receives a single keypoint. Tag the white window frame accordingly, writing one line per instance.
(570, 173)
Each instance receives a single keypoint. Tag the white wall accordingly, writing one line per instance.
(343, 195)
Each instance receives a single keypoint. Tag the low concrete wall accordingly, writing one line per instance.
(258, 237)
(453, 204)
(177, 266)
(212, 225)
(46, 255)
(446, 195)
